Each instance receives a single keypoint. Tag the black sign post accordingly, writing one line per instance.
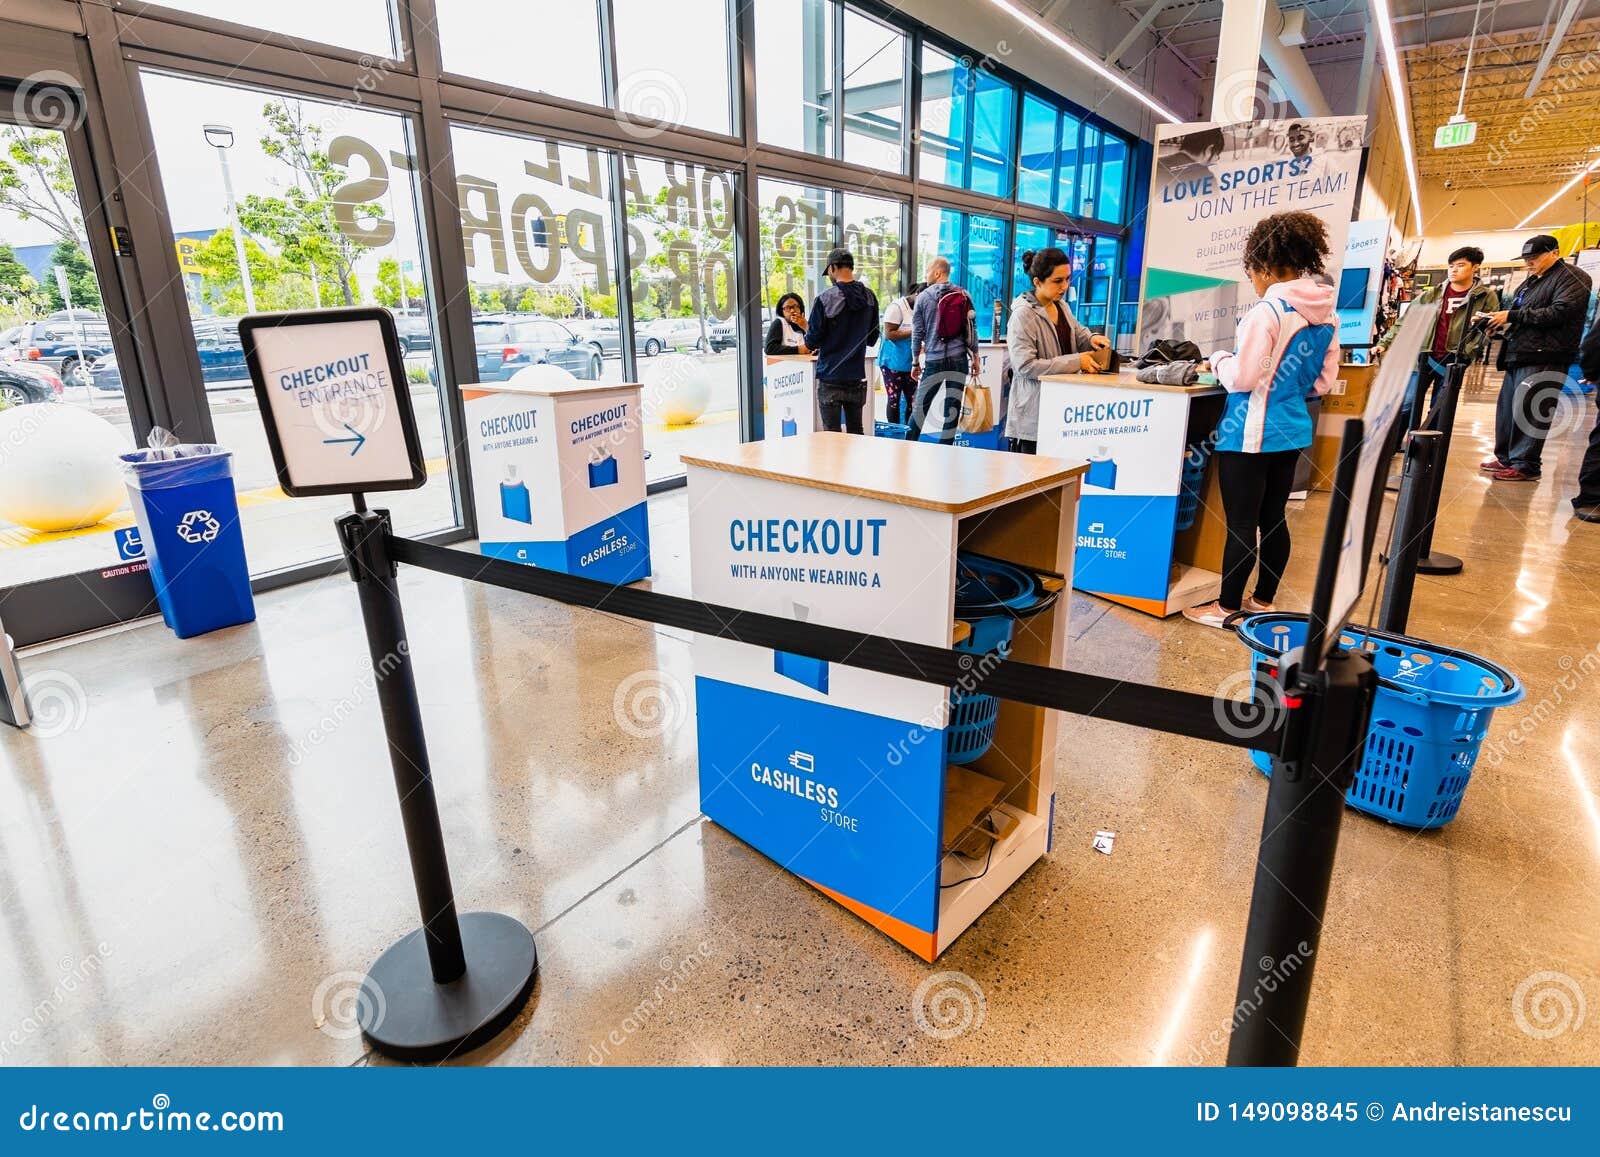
(336, 405)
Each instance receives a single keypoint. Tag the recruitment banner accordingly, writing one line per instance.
(1212, 183)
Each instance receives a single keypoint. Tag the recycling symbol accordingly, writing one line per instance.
(198, 526)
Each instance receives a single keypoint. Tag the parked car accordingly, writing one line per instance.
(725, 335)
(415, 332)
(221, 356)
(22, 383)
(508, 344)
(69, 347)
(605, 334)
(8, 343)
(678, 333)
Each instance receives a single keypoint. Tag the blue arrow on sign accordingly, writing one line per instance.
(359, 440)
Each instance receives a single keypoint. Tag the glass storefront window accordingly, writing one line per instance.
(1029, 236)
(985, 268)
(536, 226)
(680, 249)
(489, 40)
(873, 93)
(1067, 178)
(794, 74)
(326, 195)
(1088, 171)
(1036, 160)
(992, 124)
(797, 230)
(1113, 177)
(873, 227)
(966, 126)
(672, 62)
(359, 25)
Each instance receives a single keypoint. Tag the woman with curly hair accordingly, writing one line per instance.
(1287, 352)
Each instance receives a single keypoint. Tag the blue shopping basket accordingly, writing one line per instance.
(1431, 713)
(1190, 482)
(991, 595)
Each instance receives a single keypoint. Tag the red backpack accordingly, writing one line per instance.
(950, 322)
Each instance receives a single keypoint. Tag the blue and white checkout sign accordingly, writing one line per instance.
(835, 773)
(558, 476)
(332, 388)
(789, 394)
(1142, 490)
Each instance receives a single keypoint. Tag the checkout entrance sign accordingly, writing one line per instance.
(332, 388)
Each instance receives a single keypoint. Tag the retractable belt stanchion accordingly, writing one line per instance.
(1330, 707)
(456, 981)
(1410, 515)
(1441, 420)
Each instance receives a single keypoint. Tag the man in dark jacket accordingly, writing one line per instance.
(1587, 504)
(844, 321)
(1544, 325)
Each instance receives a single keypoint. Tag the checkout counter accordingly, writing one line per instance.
(1150, 525)
(789, 394)
(841, 775)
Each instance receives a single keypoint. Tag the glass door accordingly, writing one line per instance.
(67, 539)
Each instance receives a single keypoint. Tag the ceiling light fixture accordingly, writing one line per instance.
(1582, 173)
(1383, 20)
(1043, 30)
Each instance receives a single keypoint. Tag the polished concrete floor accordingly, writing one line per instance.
(200, 850)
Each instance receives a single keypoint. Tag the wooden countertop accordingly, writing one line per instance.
(1127, 381)
(555, 390)
(951, 479)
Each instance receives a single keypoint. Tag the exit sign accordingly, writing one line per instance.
(1455, 134)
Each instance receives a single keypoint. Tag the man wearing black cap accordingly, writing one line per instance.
(1544, 326)
(843, 322)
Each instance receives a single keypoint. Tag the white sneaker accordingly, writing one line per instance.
(1209, 615)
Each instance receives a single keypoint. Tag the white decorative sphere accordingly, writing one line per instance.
(677, 389)
(58, 466)
(543, 377)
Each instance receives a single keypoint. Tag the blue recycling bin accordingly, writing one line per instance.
(188, 517)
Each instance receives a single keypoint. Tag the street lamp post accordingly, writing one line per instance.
(220, 137)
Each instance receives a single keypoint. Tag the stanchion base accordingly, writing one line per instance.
(1439, 563)
(405, 1015)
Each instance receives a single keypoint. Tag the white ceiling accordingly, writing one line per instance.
(1544, 138)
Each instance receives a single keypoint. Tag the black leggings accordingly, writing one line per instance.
(1255, 490)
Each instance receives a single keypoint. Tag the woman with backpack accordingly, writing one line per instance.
(944, 332)
(1288, 351)
(1042, 338)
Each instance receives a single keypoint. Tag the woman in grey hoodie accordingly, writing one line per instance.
(1043, 338)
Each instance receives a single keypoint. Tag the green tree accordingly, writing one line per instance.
(387, 291)
(301, 221)
(20, 294)
(81, 280)
(601, 304)
(672, 280)
(36, 182)
(276, 285)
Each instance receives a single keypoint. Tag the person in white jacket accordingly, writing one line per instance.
(1042, 338)
(1288, 352)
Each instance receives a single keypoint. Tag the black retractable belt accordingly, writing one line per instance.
(1250, 725)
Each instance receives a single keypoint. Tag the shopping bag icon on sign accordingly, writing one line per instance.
(1102, 470)
(803, 669)
(602, 471)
